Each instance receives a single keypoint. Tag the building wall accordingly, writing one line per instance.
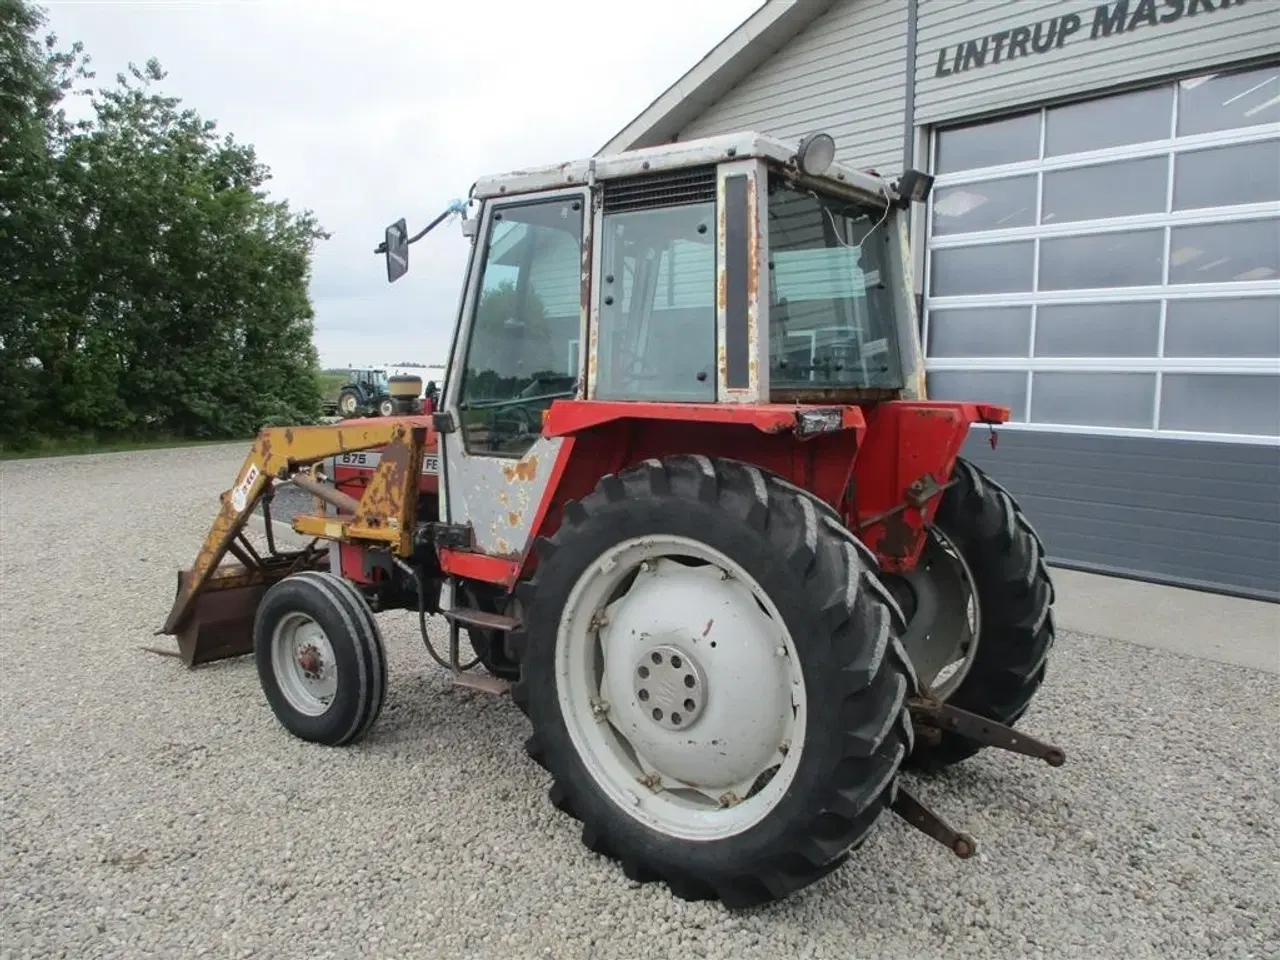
(964, 67)
(1103, 255)
(1174, 496)
(844, 74)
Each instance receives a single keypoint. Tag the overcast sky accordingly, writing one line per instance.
(367, 112)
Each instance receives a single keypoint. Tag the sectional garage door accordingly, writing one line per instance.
(1110, 269)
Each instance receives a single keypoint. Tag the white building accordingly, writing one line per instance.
(1101, 251)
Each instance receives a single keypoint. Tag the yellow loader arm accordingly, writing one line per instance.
(212, 613)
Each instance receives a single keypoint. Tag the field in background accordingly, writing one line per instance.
(331, 382)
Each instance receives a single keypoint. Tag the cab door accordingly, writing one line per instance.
(523, 317)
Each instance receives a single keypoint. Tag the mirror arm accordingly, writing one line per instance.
(458, 206)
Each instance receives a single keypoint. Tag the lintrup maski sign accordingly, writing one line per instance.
(1120, 17)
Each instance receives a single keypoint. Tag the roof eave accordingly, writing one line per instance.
(755, 40)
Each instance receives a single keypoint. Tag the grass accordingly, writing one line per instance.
(78, 446)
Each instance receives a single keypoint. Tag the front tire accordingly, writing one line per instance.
(714, 679)
(320, 658)
(1004, 558)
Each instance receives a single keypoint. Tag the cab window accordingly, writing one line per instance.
(523, 350)
(657, 332)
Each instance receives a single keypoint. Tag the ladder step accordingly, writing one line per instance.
(491, 685)
(467, 617)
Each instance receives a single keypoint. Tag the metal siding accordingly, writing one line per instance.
(1180, 511)
(843, 74)
(1245, 29)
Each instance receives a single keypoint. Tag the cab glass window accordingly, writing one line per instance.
(657, 332)
(831, 309)
(523, 351)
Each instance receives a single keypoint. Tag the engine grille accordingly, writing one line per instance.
(697, 185)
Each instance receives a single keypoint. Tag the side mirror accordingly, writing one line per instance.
(914, 186)
(396, 247)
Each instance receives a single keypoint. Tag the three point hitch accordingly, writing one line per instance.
(932, 719)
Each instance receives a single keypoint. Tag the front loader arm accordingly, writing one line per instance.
(385, 515)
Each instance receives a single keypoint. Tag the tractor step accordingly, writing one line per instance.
(491, 685)
(467, 617)
(933, 717)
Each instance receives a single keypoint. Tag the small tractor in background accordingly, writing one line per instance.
(684, 491)
(370, 390)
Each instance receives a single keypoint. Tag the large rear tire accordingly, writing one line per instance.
(348, 403)
(320, 658)
(1001, 664)
(714, 678)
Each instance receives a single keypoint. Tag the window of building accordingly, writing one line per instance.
(522, 352)
(1114, 264)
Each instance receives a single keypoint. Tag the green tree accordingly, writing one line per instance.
(166, 292)
(34, 79)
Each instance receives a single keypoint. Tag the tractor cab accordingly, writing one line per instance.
(733, 270)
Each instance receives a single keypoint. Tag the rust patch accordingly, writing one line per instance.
(513, 519)
(523, 471)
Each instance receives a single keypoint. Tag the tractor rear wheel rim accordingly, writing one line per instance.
(303, 662)
(681, 688)
(943, 647)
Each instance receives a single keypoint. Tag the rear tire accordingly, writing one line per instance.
(1015, 596)
(320, 658)
(348, 403)
(795, 726)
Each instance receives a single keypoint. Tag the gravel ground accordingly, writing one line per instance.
(148, 811)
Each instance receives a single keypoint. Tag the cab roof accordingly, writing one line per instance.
(746, 145)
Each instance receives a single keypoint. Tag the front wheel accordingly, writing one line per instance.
(980, 611)
(320, 658)
(386, 407)
(714, 679)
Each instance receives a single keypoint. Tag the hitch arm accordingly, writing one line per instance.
(930, 824)
(934, 718)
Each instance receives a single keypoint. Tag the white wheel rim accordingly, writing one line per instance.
(944, 654)
(745, 713)
(303, 662)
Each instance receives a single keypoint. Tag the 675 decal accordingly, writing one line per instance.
(369, 460)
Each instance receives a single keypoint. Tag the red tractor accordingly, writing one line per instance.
(684, 493)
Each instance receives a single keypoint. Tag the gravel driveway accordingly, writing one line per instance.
(148, 811)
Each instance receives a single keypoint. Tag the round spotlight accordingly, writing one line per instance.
(816, 154)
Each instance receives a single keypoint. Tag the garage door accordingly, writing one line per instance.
(1110, 269)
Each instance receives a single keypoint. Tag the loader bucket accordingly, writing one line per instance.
(217, 623)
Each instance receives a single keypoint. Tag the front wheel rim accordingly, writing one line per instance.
(694, 722)
(304, 665)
